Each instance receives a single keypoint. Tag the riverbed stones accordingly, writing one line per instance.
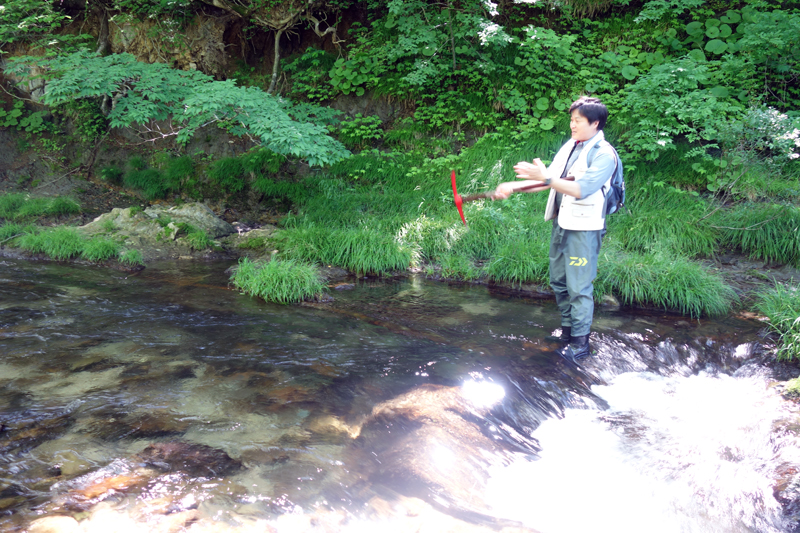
(54, 524)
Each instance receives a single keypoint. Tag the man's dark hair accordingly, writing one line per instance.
(592, 109)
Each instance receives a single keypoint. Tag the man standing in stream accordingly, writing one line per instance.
(577, 209)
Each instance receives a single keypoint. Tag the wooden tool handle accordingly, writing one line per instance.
(482, 195)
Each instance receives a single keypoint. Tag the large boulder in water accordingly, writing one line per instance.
(157, 231)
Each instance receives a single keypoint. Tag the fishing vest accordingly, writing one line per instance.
(585, 214)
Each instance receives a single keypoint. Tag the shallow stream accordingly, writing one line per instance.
(165, 401)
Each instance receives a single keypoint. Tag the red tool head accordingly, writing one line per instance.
(457, 197)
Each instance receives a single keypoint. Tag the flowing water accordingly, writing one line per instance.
(164, 401)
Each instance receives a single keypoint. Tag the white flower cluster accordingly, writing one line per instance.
(491, 7)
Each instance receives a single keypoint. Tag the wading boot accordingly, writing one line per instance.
(577, 349)
(563, 339)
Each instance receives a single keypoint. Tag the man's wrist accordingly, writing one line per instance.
(548, 180)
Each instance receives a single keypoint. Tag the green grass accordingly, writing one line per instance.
(20, 206)
(781, 305)
(131, 257)
(670, 282)
(98, 249)
(458, 267)
(10, 204)
(662, 220)
(522, 261)
(198, 239)
(59, 243)
(280, 281)
(770, 232)
(11, 230)
(361, 250)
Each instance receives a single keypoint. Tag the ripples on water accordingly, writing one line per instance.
(405, 406)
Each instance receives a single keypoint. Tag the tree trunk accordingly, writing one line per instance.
(276, 59)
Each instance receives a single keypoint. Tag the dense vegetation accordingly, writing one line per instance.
(704, 111)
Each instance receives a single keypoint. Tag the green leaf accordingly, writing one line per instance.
(712, 23)
(731, 17)
(716, 46)
(629, 72)
(697, 55)
(390, 23)
(543, 103)
(725, 31)
(713, 32)
(547, 124)
(428, 51)
(560, 104)
(695, 29)
(719, 91)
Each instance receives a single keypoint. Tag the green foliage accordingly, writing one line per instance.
(20, 206)
(98, 249)
(360, 131)
(149, 181)
(781, 305)
(362, 250)
(457, 267)
(196, 238)
(10, 204)
(280, 281)
(112, 175)
(233, 174)
(521, 262)
(764, 231)
(60, 243)
(86, 116)
(669, 282)
(310, 75)
(10, 230)
(665, 219)
(189, 99)
(34, 21)
(131, 257)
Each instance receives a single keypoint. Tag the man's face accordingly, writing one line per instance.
(580, 127)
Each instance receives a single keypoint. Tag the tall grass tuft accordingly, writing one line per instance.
(280, 281)
(10, 204)
(663, 220)
(131, 257)
(781, 305)
(10, 231)
(458, 267)
(59, 243)
(764, 231)
(671, 282)
(523, 261)
(99, 249)
(361, 250)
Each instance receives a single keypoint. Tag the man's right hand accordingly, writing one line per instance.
(503, 191)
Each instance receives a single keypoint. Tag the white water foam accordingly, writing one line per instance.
(672, 454)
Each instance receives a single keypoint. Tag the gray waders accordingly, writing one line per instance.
(573, 267)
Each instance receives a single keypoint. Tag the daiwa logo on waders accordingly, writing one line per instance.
(578, 261)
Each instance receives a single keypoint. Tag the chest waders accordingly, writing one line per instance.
(573, 269)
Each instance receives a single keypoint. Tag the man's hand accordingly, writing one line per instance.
(503, 191)
(531, 171)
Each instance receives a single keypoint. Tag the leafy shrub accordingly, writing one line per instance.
(228, 173)
(150, 181)
(280, 281)
(781, 305)
(361, 131)
(112, 175)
